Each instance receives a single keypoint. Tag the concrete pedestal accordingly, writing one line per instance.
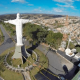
(19, 52)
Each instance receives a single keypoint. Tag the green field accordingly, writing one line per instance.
(5, 73)
(1, 37)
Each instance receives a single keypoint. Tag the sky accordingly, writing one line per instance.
(58, 7)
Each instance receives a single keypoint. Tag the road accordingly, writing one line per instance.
(56, 62)
(8, 43)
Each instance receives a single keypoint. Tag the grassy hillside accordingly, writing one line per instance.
(1, 37)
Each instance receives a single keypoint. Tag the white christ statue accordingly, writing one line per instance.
(18, 22)
(19, 49)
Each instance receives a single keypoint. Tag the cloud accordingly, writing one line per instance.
(57, 10)
(37, 10)
(66, 5)
(30, 4)
(21, 1)
(64, 1)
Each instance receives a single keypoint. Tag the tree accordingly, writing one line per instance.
(35, 32)
(38, 34)
(54, 39)
(42, 35)
(49, 38)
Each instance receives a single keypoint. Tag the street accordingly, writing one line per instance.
(8, 43)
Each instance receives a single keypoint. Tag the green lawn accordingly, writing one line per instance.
(1, 37)
(43, 62)
(17, 62)
(10, 75)
(5, 73)
(78, 49)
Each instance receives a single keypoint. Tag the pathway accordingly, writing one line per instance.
(26, 75)
(8, 43)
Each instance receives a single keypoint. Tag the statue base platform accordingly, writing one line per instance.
(20, 52)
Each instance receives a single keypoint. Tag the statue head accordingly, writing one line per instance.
(18, 16)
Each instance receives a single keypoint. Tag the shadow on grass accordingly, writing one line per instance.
(77, 46)
(29, 50)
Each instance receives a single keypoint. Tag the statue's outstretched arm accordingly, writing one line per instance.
(26, 21)
(11, 22)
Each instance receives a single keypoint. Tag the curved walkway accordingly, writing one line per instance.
(27, 68)
(25, 74)
(7, 41)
